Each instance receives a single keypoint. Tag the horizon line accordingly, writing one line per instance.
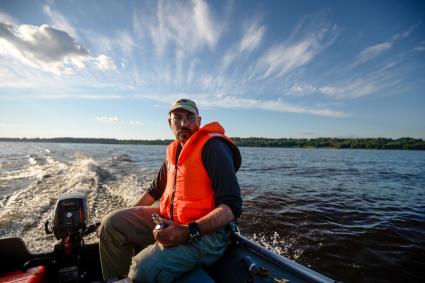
(251, 137)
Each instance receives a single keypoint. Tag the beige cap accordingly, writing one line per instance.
(185, 104)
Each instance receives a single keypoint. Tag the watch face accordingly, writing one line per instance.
(194, 232)
(193, 228)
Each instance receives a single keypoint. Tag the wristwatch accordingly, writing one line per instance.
(194, 233)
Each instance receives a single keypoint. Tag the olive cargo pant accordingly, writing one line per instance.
(123, 230)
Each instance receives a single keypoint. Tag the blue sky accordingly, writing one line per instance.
(111, 69)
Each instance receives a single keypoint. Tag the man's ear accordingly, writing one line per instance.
(199, 120)
(169, 121)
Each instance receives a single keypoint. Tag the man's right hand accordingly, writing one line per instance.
(173, 235)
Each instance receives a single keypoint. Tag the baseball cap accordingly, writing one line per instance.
(185, 104)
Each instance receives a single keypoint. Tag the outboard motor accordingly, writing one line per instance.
(70, 225)
(71, 216)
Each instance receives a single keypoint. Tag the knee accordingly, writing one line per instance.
(142, 269)
(137, 272)
(109, 222)
(148, 267)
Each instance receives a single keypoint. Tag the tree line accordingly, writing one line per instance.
(359, 143)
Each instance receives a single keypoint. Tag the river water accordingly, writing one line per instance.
(354, 215)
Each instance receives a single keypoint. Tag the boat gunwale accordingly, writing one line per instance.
(283, 262)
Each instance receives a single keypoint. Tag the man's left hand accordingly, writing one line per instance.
(173, 235)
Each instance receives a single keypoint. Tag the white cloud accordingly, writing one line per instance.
(189, 25)
(281, 59)
(133, 123)
(404, 34)
(301, 89)
(252, 37)
(99, 42)
(46, 48)
(122, 41)
(42, 43)
(139, 23)
(125, 42)
(112, 120)
(373, 51)
(228, 58)
(191, 71)
(420, 47)
(303, 45)
(358, 88)
(105, 63)
(208, 100)
(5, 18)
(270, 105)
(176, 28)
(383, 81)
(209, 82)
(116, 120)
(59, 96)
(203, 22)
(59, 21)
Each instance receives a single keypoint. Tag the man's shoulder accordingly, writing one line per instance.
(217, 143)
(217, 147)
(220, 148)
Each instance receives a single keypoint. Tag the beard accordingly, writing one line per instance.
(183, 135)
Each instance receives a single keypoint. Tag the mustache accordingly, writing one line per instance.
(184, 129)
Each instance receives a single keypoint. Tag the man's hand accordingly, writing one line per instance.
(173, 235)
(178, 234)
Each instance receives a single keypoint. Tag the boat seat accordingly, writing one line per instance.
(195, 276)
(32, 275)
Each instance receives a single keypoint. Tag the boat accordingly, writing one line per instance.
(74, 261)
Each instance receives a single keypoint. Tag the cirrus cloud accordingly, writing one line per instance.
(59, 21)
(283, 58)
(189, 25)
(251, 39)
(209, 100)
(373, 51)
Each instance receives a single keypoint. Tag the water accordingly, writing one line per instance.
(354, 215)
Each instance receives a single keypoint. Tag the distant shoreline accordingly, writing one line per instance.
(354, 143)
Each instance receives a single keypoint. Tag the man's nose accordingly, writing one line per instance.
(184, 121)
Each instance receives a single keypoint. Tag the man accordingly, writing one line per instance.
(199, 203)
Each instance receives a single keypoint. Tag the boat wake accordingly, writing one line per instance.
(24, 209)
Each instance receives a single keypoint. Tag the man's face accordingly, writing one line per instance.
(183, 124)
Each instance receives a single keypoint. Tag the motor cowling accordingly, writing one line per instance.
(71, 216)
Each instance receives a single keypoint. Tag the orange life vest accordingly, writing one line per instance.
(189, 194)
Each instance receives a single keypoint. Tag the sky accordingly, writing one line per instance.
(301, 69)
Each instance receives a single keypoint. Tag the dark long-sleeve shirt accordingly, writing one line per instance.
(219, 163)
